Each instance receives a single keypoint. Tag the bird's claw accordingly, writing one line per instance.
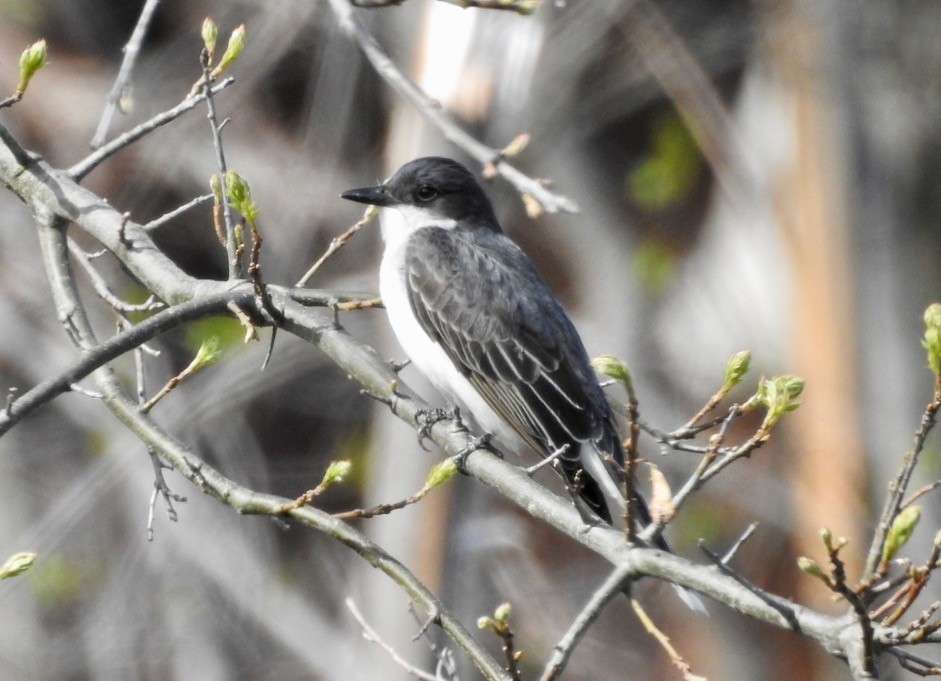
(427, 418)
(479, 442)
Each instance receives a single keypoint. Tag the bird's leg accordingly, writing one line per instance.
(427, 418)
(479, 442)
(574, 486)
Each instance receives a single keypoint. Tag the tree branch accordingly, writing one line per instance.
(431, 112)
(123, 81)
(90, 162)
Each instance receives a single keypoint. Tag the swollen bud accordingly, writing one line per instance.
(17, 564)
(608, 365)
(901, 531)
(210, 32)
(208, 352)
(532, 206)
(215, 186)
(32, 59)
(735, 369)
(812, 568)
(932, 341)
(779, 395)
(793, 387)
(240, 195)
(440, 473)
(337, 471)
(516, 145)
(232, 50)
(502, 615)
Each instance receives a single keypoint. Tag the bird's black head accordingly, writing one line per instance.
(439, 185)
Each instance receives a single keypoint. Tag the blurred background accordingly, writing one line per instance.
(751, 175)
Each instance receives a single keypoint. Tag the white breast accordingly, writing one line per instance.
(425, 354)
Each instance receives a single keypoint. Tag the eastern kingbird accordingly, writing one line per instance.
(472, 313)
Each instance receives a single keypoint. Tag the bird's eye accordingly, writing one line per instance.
(426, 193)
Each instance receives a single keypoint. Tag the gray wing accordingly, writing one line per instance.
(493, 315)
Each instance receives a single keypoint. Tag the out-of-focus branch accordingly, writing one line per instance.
(370, 635)
(90, 162)
(603, 595)
(123, 81)
(117, 345)
(550, 201)
(683, 80)
(518, 6)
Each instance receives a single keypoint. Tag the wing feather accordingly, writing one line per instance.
(486, 305)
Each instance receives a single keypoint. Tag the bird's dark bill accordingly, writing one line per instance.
(376, 196)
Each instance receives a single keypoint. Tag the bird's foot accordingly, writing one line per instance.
(479, 442)
(427, 418)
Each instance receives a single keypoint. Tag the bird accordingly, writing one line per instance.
(474, 315)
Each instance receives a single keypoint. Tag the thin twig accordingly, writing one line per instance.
(166, 217)
(785, 611)
(370, 635)
(231, 247)
(531, 470)
(587, 616)
(917, 582)
(359, 304)
(385, 509)
(664, 642)
(101, 286)
(123, 81)
(899, 486)
(736, 547)
(629, 470)
(114, 347)
(78, 171)
(839, 585)
(914, 663)
(336, 244)
(550, 201)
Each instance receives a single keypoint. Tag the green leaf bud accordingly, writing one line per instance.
(210, 32)
(232, 51)
(611, 366)
(502, 615)
(901, 531)
(17, 564)
(932, 341)
(440, 473)
(240, 195)
(735, 369)
(812, 568)
(209, 351)
(33, 58)
(215, 186)
(337, 471)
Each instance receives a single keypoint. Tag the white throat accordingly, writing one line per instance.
(400, 222)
